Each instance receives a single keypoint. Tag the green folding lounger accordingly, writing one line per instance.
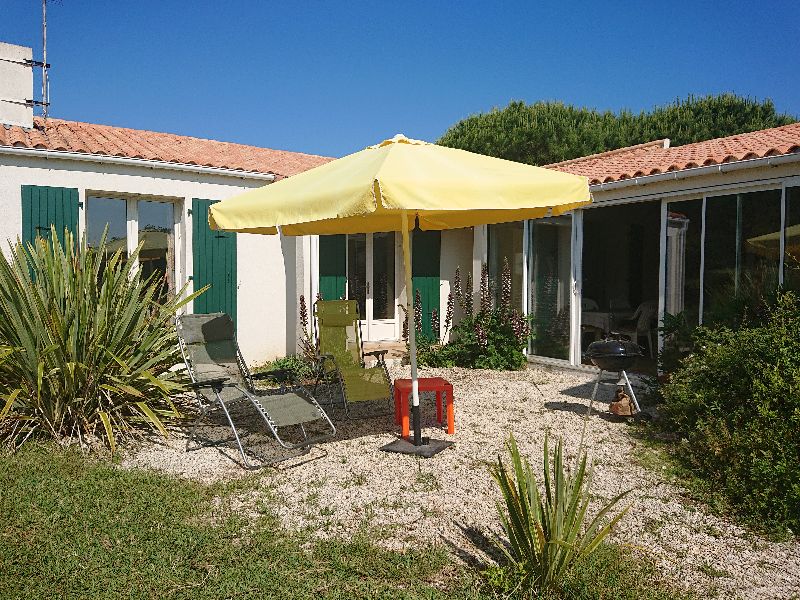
(341, 355)
(220, 378)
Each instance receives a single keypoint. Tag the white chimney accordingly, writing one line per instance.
(16, 85)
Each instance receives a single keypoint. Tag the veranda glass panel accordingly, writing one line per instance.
(549, 307)
(620, 291)
(383, 276)
(684, 243)
(111, 213)
(791, 258)
(505, 243)
(739, 264)
(156, 235)
(357, 271)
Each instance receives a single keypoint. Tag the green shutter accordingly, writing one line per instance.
(43, 207)
(214, 254)
(425, 253)
(332, 266)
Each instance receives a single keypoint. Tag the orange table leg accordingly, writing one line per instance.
(404, 426)
(439, 406)
(451, 420)
(397, 406)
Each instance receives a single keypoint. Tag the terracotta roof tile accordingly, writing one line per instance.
(87, 138)
(654, 158)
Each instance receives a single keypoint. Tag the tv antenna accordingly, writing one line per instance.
(45, 82)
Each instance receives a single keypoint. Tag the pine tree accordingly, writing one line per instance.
(548, 132)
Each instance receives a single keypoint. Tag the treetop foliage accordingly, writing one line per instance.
(548, 132)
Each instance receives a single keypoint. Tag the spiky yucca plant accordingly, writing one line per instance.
(545, 527)
(88, 346)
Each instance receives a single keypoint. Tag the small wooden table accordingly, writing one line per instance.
(402, 393)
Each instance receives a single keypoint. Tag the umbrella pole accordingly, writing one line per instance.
(412, 341)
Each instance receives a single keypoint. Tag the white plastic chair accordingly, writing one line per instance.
(639, 325)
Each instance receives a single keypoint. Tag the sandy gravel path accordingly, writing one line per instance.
(348, 484)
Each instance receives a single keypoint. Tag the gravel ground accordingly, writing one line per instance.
(346, 485)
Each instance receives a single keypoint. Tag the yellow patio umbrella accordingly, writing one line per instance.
(769, 244)
(395, 186)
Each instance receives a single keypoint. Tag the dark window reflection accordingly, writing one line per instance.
(741, 264)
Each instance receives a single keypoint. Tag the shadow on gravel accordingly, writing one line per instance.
(480, 542)
(584, 391)
(365, 419)
(580, 409)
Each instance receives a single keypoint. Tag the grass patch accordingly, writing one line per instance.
(76, 528)
(659, 453)
(615, 572)
(611, 572)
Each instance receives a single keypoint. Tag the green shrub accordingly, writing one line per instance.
(736, 403)
(545, 527)
(678, 341)
(300, 367)
(486, 341)
(494, 338)
(88, 346)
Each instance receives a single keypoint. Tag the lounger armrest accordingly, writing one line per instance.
(276, 374)
(217, 383)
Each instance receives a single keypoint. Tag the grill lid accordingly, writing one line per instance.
(614, 345)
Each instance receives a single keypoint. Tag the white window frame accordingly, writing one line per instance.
(662, 270)
(179, 223)
(576, 285)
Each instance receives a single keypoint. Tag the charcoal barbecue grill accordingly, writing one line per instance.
(615, 354)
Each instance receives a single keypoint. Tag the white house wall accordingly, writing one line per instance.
(262, 268)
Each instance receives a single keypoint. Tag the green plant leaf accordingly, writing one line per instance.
(9, 403)
(109, 431)
(153, 418)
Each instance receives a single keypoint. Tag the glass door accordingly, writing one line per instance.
(371, 283)
(549, 286)
(381, 299)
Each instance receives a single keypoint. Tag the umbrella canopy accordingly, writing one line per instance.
(769, 244)
(444, 188)
(394, 186)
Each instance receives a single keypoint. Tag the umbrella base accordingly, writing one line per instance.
(427, 449)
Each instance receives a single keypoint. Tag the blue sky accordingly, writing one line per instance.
(330, 78)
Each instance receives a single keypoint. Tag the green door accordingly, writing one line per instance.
(425, 249)
(214, 259)
(332, 266)
(43, 207)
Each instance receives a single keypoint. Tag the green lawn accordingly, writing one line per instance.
(76, 528)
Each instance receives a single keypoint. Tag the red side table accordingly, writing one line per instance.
(402, 393)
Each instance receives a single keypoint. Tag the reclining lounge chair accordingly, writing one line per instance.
(341, 355)
(220, 378)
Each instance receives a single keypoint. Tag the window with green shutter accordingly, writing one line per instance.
(44, 207)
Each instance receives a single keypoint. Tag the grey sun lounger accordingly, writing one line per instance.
(220, 378)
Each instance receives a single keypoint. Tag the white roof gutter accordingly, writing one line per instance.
(133, 162)
(767, 161)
